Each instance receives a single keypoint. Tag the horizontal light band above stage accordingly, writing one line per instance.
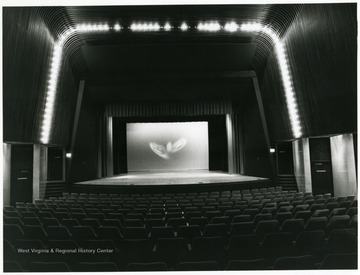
(205, 26)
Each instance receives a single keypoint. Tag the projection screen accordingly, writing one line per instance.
(167, 146)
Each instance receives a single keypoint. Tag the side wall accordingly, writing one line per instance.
(322, 47)
(27, 48)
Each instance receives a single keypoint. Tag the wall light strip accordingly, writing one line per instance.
(54, 72)
(56, 60)
(290, 96)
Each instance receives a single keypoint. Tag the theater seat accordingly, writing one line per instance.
(171, 251)
(49, 267)
(13, 232)
(96, 266)
(295, 263)
(354, 222)
(216, 230)
(69, 223)
(341, 241)
(12, 266)
(232, 213)
(266, 227)
(58, 233)
(83, 233)
(49, 221)
(281, 217)
(161, 232)
(176, 222)
(243, 247)
(242, 228)
(200, 221)
(13, 220)
(340, 261)
(294, 226)
(316, 223)
(337, 211)
(35, 232)
(338, 222)
(189, 232)
(208, 249)
(262, 217)
(135, 251)
(242, 218)
(305, 215)
(276, 245)
(310, 243)
(352, 211)
(198, 266)
(154, 266)
(257, 264)
(135, 233)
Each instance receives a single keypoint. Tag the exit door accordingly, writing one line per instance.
(321, 167)
(21, 187)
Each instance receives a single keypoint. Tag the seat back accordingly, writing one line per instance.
(295, 263)
(153, 266)
(257, 264)
(198, 266)
(49, 267)
(96, 266)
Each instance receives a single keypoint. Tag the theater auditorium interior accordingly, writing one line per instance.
(180, 137)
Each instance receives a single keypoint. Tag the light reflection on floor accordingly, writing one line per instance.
(171, 177)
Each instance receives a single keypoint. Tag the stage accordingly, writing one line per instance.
(173, 180)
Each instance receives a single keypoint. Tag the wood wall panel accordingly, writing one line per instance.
(27, 48)
(321, 47)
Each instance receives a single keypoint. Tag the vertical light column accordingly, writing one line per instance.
(230, 144)
(302, 164)
(36, 172)
(343, 165)
(6, 173)
(109, 147)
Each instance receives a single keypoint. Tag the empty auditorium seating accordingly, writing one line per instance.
(295, 263)
(234, 230)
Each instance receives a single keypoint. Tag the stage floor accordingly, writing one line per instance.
(171, 178)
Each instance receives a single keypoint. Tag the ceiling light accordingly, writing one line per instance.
(231, 27)
(167, 27)
(184, 27)
(117, 27)
(145, 27)
(210, 26)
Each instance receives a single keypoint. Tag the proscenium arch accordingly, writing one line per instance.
(266, 30)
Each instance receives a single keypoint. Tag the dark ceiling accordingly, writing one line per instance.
(188, 65)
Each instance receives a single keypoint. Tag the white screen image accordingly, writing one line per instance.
(167, 146)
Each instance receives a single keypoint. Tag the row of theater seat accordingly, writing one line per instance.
(172, 251)
(225, 216)
(332, 261)
(15, 230)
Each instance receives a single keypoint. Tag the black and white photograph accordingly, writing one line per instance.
(179, 136)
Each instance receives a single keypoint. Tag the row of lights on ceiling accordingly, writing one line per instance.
(56, 61)
(203, 26)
